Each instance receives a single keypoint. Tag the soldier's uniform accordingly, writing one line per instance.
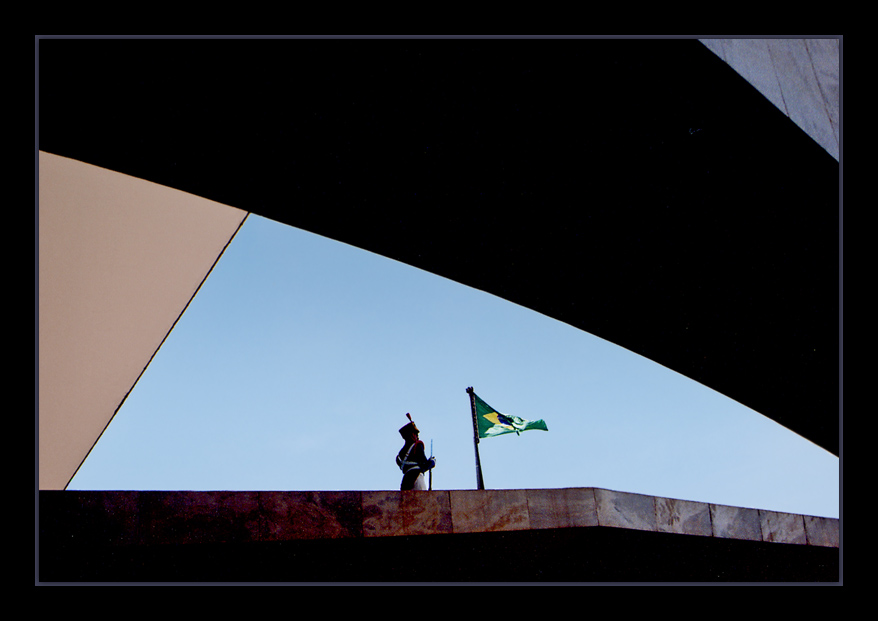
(412, 459)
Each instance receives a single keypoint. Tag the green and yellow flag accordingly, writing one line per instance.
(492, 423)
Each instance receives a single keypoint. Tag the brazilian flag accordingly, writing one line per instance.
(492, 423)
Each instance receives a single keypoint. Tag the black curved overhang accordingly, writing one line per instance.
(638, 190)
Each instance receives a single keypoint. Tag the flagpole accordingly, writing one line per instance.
(480, 482)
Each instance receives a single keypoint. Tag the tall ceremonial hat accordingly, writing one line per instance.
(405, 430)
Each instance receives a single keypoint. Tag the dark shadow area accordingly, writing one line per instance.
(562, 555)
(81, 539)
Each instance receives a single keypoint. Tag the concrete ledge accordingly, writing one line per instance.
(153, 517)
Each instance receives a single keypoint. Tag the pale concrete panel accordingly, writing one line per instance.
(119, 260)
(799, 76)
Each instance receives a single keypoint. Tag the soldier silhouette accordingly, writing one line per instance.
(412, 458)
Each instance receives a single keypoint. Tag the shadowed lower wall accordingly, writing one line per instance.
(575, 534)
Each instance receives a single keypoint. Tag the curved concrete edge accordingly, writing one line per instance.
(119, 260)
(181, 517)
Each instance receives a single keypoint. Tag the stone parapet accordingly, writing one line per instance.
(182, 517)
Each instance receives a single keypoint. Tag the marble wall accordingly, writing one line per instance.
(150, 517)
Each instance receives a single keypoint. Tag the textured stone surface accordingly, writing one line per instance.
(683, 517)
(506, 509)
(782, 527)
(312, 515)
(736, 522)
(381, 514)
(822, 531)
(624, 510)
(561, 508)
(387, 514)
(489, 510)
(467, 511)
(138, 518)
(426, 513)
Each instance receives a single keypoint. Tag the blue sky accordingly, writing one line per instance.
(295, 365)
